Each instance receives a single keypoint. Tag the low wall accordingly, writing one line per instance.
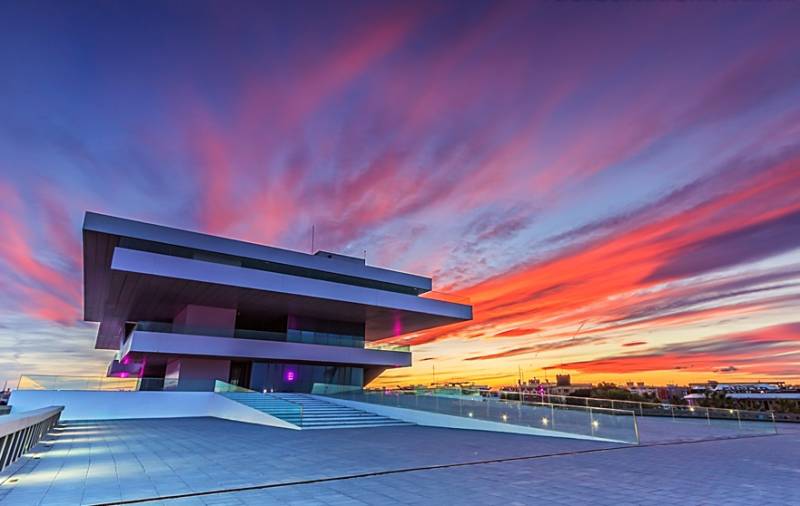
(98, 405)
(451, 421)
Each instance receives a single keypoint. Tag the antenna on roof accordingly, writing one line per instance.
(312, 238)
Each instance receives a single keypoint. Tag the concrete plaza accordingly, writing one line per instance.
(212, 461)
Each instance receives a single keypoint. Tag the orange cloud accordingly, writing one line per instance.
(767, 351)
(610, 280)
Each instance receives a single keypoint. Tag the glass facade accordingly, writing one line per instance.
(290, 335)
(326, 338)
(287, 377)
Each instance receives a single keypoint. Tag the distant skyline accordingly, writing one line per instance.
(615, 186)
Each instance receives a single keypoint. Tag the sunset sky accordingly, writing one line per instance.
(615, 186)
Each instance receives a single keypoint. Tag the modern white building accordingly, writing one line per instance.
(184, 309)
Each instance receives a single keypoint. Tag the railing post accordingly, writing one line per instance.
(12, 449)
(18, 447)
(3, 449)
(30, 442)
(591, 421)
(739, 418)
(7, 451)
(29, 439)
(14, 446)
(708, 416)
(26, 432)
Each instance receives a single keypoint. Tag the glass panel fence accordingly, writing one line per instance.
(112, 384)
(735, 419)
(49, 382)
(607, 424)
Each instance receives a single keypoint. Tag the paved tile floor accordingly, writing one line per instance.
(109, 462)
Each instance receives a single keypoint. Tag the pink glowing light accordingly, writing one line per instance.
(290, 375)
(397, 326)
(124, 374)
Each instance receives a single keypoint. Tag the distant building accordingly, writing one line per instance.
(714, 386)
(671, 392)
(775, 396)
(562, 386)
(640, 389)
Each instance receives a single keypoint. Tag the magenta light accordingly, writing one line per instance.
(124, 374)
(126, 360)
(141, 367)
(290, 376)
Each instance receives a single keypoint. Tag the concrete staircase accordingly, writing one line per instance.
(310, 412)
(268, 403)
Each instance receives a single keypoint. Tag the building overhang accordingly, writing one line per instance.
(102, 233)
(122, 284)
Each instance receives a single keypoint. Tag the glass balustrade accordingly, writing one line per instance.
(292, 336)
(607, 424)
(113, 384)
(735, 419)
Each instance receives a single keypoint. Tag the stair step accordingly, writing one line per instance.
(362, 426)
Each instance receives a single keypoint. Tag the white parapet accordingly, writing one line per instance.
(103, 405)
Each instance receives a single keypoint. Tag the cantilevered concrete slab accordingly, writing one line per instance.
(135, 271)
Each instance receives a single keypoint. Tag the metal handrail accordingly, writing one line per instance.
(19, 432)
(432, 391)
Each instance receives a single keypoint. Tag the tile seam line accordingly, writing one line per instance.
(370, 474)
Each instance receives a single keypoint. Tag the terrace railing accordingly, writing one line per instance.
(113, 384)
(741, 420)
(19, 432)
(52, 382)
(601, 423)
